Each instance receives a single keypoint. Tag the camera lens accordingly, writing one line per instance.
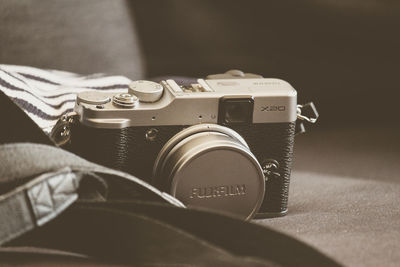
(211, 167)
(236, 110)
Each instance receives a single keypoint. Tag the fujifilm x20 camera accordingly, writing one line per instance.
(223, 143)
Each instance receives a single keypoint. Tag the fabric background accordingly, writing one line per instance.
(343, 55)
(78, 36)
(344, 196)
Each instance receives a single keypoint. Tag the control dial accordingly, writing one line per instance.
(146, 91)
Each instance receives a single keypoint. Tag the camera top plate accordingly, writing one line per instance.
(274, 101)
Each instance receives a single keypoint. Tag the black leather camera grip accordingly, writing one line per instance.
(272, 141)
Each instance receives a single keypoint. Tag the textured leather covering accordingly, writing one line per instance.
(127, 149)
(272, 141)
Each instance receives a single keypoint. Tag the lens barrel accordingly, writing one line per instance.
(211, 166)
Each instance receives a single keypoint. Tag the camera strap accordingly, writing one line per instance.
(55, 186)
(37, 202)
(305, 113)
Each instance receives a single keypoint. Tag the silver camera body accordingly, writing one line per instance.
(224, 143)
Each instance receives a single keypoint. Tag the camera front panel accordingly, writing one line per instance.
(135, 149)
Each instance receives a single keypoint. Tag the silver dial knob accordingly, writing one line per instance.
(125, 100)
(93, 98)
(146, 91)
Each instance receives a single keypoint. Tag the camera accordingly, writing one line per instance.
(223, 143)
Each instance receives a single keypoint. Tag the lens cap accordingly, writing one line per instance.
(213, 170)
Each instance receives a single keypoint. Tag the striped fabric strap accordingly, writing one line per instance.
(46, 95)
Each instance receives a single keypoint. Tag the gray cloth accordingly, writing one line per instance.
(44, 197)
(345, 195)
(21, 160)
